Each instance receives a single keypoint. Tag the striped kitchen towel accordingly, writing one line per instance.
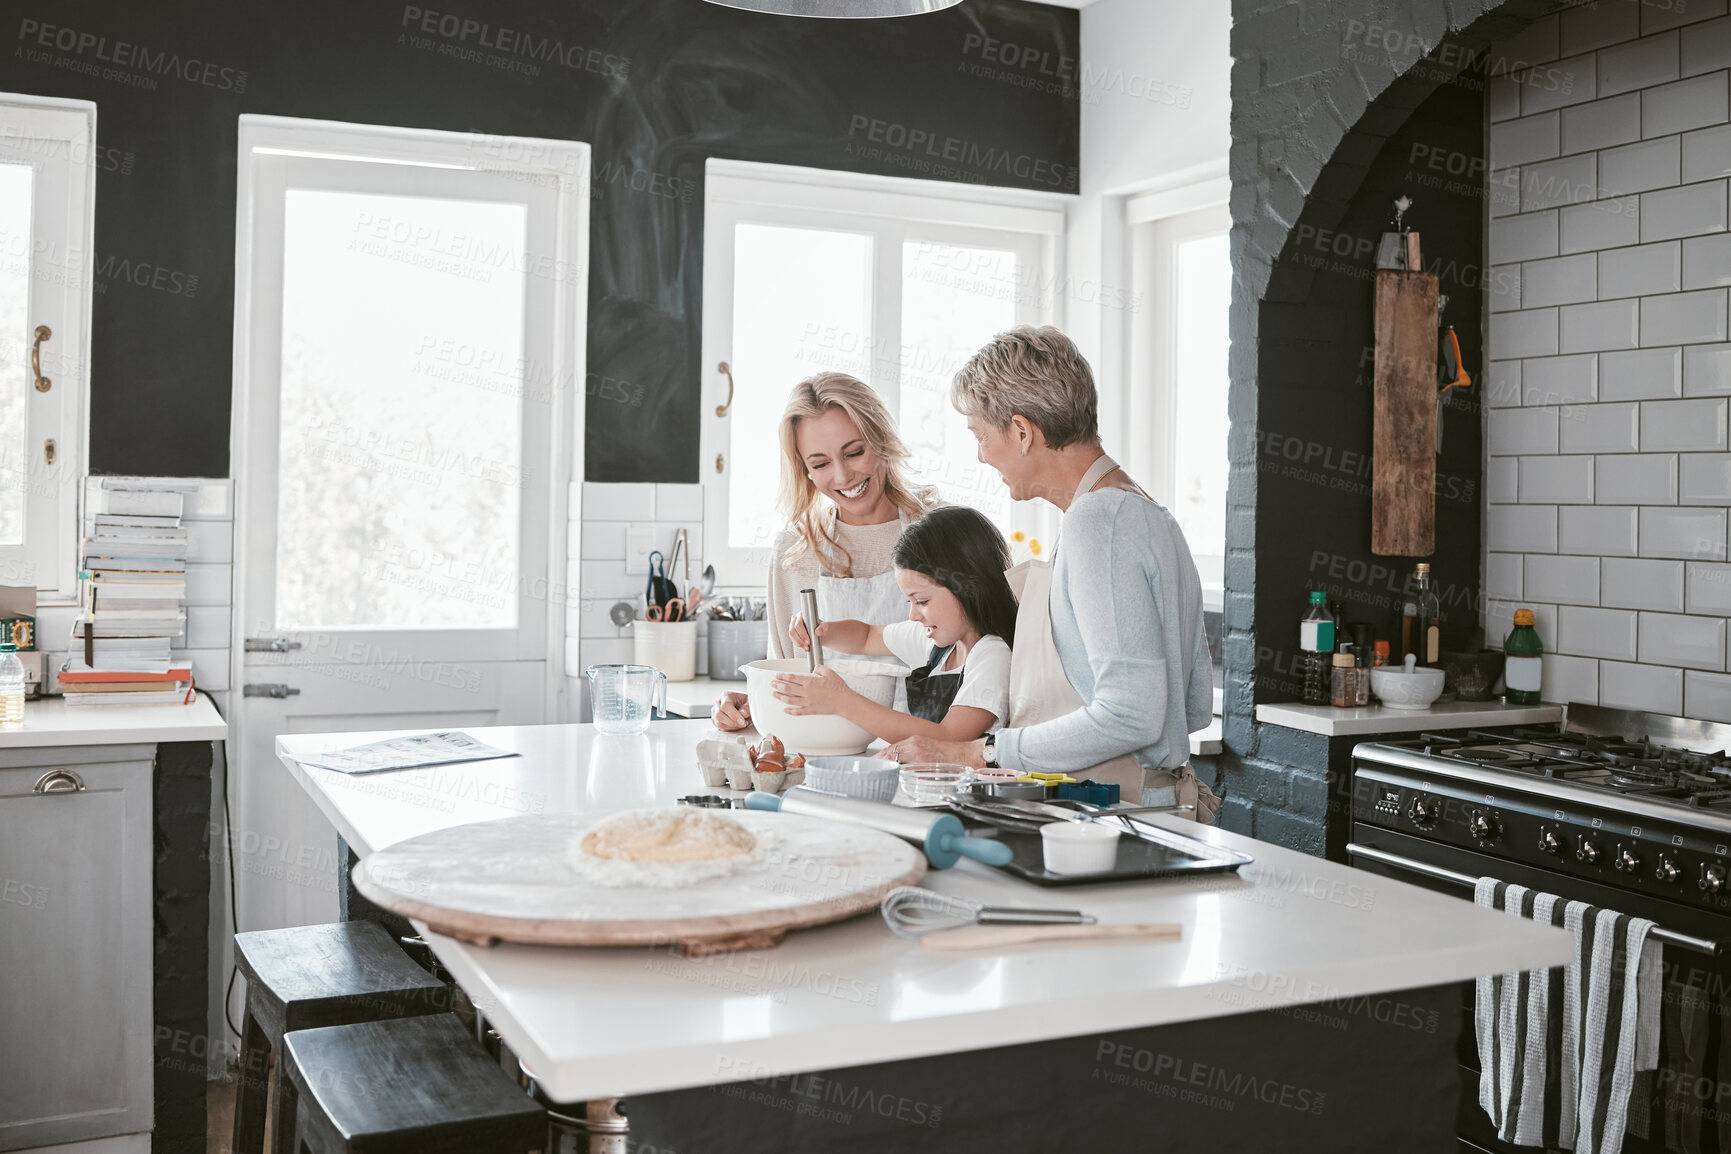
(1559, 1052)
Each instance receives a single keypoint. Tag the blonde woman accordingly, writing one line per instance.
(847, 498)
(1111, 672)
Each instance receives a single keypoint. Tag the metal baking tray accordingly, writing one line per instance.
(1144, 853)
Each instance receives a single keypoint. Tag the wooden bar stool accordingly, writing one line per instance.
(405, 1086)
(315, 976)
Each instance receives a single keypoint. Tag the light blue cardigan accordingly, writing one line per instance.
(1127, 623)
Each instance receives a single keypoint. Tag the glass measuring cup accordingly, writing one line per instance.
(622, 697)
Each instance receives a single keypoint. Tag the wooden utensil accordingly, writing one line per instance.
(1002, 937)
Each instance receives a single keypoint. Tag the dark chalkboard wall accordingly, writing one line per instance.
(656, 86)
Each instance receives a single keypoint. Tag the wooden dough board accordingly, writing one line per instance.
(512, 880)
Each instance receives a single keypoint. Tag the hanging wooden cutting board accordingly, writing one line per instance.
(513, 880)
(1403, 434)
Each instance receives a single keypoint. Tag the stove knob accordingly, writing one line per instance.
(1424, 811)
(1712, 879)
(1587, 851)
(1667, 871)
(1548, 843)
(1483, 826)
(1627, 861)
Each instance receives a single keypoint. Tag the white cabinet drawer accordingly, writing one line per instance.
(75, 946)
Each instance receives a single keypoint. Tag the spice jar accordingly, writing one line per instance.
(1344, 687)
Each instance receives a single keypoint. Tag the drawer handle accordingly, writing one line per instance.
(60, 781)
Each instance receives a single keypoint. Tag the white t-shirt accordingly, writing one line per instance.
(985, 673)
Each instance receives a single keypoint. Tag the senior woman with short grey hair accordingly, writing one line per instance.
(1110, 670)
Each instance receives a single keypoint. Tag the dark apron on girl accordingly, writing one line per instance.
(930, 692)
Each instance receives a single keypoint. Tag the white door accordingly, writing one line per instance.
(410, 319)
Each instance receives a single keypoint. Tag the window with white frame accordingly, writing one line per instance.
(894, 281)
(47, 190)
(1182, 269)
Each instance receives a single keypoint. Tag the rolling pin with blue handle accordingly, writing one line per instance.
(940, 834)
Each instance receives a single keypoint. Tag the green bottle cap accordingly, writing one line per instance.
(1318, 597)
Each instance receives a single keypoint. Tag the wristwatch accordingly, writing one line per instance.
(990, 752)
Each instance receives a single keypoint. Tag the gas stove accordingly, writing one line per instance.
(1628, 765)
(1623, 809)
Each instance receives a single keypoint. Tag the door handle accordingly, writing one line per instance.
(274, 689)
(1455, 877)
(59, 781)
(721, 410)
(43, 384)
(270, 645)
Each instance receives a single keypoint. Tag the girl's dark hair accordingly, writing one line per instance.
(962, 551)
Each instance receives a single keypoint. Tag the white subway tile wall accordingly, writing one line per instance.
(1641, 374)
(607, 511)
(1608, 401)
(1641, 269)
(1634, 583)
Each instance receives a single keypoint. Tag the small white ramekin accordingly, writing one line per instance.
(1078, 847)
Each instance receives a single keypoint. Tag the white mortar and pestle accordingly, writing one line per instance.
(1406, 687)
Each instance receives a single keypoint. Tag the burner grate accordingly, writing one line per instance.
(1617, 765)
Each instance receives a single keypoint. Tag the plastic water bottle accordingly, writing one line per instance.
(11, 687)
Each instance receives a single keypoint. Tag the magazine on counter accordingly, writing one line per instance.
(406, 753)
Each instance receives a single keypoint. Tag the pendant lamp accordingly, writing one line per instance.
(840, 9)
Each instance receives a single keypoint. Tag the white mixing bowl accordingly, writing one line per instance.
(819, 734)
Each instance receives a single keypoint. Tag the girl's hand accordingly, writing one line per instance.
(796, 630)
(923, 749)
(820, 692)
(731, 711)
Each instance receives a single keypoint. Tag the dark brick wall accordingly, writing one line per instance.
(1336, 107)
(181, 977)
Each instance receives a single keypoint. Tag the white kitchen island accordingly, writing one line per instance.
(1287, 931)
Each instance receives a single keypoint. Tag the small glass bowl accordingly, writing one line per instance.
(933, 782)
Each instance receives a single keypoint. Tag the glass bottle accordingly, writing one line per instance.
(1344, 684)
(11, 687)
(1524, 667)
(1316, 642)
(1421, 619)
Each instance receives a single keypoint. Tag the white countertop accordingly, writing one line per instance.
(693, 699)
(1332, 722)
(50, 721)
(603, 1023)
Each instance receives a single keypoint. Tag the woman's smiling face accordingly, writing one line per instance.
(843, 467)
(997, 448)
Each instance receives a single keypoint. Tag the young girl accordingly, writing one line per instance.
(961, 615)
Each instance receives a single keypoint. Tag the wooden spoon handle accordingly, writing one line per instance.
(998, 937)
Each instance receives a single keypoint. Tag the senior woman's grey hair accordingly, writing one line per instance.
(1035, 372)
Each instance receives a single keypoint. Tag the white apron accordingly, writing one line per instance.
(875, 600)
(1040, 690)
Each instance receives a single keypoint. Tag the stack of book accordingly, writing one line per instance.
(134, 586)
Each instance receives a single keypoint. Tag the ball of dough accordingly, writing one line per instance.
(667, 835)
